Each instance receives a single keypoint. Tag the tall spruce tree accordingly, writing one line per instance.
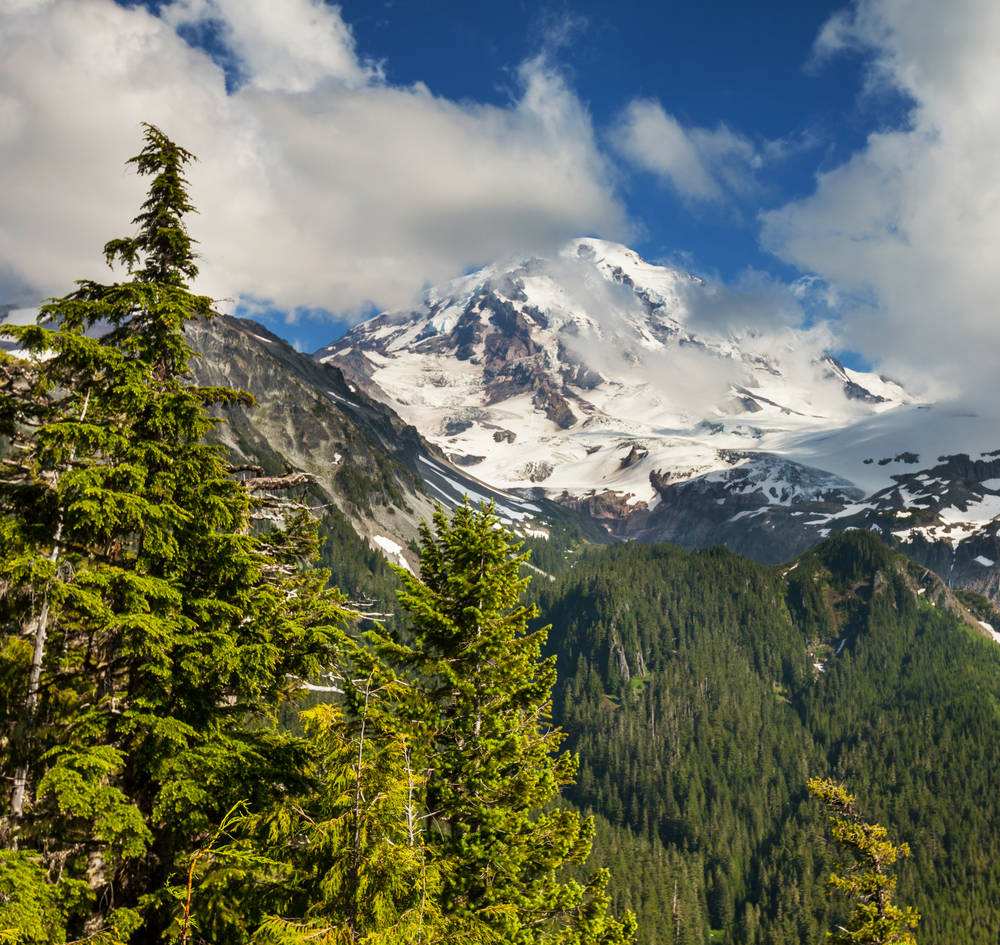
(150, 632)
(480, 696)
(867, 882)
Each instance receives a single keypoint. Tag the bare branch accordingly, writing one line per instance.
(259, 483)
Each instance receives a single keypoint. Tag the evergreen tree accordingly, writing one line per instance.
(867, 882)
(347, 860)
(480, 695)
(150, 632)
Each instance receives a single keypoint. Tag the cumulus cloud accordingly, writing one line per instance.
(704, 164)
(319, 183)
(907, 231)
(291, 46)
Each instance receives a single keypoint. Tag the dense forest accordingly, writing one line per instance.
(205, 739)
(701, 690)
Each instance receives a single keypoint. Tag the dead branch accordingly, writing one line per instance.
(259, 483)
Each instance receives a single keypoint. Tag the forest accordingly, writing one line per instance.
(205, 740)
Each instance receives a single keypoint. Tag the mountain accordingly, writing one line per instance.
(370, 476)
(632, 393)
(700, 691)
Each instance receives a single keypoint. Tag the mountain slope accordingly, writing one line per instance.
(701, 690)
(374, 478)
(617, 388)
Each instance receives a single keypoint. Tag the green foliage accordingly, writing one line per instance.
(655, 882)
(157, 632)
(568, 537)
(867, 882)
(687, 687)
(31, 907)
(150, 630)
(349, 852)
(667, 667)
(478, 691)
(426, 812)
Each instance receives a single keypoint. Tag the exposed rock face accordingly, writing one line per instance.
(307, 416)
(553, 404)
(466, 459)
(635, 454)
(361, 456)
(609, 508)
(537, 471)
(454, 427)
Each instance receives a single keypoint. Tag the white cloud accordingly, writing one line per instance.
(908, 230)
(700, 163)
(318, 183)
(753, 302)
(290, 46)
(10, 7)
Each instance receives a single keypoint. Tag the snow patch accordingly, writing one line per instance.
(392, 550)
(988, 627)
(339, 399)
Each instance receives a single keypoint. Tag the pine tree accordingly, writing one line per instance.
(481, 697)
(349, 856)
(868, 884)
(150, 630)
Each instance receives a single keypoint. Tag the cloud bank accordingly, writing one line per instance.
(907, 231)
(319, 183)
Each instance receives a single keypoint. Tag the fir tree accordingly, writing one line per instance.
(349, 857)
(867, 882)
(480, 694)
(150, 632)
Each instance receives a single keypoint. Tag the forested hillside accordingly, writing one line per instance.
(701, 690)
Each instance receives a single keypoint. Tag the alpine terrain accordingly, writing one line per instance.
(611, 386)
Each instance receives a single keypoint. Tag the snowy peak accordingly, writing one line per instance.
(552, 372)
(635, 393)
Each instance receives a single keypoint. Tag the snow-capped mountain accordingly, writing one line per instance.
(609, 384)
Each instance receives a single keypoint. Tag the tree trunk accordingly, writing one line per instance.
(40, 633)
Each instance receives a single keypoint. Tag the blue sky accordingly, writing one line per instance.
(747, 66)
(743, 64)
(351, 155)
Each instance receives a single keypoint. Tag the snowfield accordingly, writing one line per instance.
(595, 372)
(678, 392)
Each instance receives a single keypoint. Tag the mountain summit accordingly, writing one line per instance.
(595, 370)
(649, 399)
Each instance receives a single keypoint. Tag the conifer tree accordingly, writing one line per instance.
(149, 631)
(350, 853)
(481, 695)
(867, 882)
